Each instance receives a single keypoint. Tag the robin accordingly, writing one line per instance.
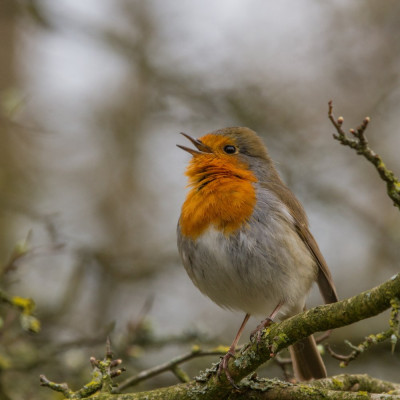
(244, 239)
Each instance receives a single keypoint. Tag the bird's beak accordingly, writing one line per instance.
(201, 147)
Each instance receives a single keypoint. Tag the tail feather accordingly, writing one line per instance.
(307, 361)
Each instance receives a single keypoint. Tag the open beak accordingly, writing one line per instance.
(201, 147)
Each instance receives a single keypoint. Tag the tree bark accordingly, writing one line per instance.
(280, 336)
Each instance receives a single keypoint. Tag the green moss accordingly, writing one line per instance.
(337, 384)
(308, 392)
(279, 342)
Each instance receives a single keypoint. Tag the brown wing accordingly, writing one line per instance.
(324, 279)
(325, 282)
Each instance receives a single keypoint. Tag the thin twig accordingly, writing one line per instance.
(360, 145)
(169, 366)
(102, 377)
(391, 334)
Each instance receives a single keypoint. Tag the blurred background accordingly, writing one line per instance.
(93, 95)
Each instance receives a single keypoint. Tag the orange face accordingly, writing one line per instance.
(222, 193)
(218, 144)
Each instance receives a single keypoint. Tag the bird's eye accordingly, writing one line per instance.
(230, 149)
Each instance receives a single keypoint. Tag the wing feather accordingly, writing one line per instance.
(324, 279)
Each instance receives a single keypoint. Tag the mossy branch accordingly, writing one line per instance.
(341, 387)
(279, 336)
(276, 338)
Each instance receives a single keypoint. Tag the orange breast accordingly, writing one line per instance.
(222, 195)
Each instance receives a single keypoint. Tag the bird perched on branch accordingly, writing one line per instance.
(244, 239)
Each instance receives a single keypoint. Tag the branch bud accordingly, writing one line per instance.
(114, 363)
(94, 362)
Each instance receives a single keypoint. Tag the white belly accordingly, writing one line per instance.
(252, 270)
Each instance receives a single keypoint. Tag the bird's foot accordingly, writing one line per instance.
(223, 367)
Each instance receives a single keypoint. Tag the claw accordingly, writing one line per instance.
(223, 366)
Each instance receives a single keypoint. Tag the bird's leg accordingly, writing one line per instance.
(223, 364)
(267, 321)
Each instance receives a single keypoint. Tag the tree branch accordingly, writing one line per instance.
(276, 338)
(341, 387)
(360, 145)
(171, 365)
(392, 333)
(102, 377)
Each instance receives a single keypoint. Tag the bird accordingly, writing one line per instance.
(244, 240)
